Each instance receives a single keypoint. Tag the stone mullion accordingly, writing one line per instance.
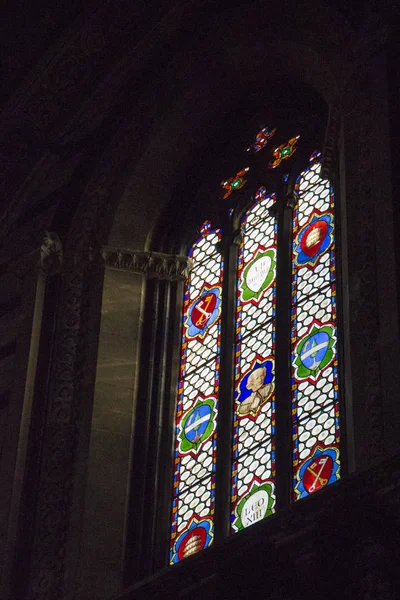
(223, 477)
(335, 173)
(139, 555)
(158, 457)
(172, 359)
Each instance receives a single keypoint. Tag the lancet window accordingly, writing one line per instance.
(257, 409)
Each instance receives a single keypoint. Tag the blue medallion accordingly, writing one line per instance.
(314, 350)
(197, 423)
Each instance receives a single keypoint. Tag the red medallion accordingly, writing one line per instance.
(317, 474)
(203, 309)
(313, 237)
(193, 542)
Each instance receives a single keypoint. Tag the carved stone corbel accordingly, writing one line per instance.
(47, 258)
(51, 253)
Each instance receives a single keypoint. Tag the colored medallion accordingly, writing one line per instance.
(314, 352)
(313, 239)
(255, 388)
(261, 140)
(234, 183)
(203, 312)
(283, 152)
(318, 471)
(254, 505)
(259, 274)
(197, 425)
(197, 536)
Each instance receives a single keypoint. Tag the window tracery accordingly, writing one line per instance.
(312, 372)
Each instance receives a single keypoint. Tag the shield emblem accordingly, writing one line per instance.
(194, 541)
(313, 237)
(203, 309)
(318, 473)
(197, 423)
(314, 350)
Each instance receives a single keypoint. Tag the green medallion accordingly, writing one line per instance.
(254, 506)
(259, 274)
(197, 425)
(314, 351)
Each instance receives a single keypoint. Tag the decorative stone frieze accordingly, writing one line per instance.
(150, 264)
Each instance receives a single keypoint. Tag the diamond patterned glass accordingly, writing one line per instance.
(315, 406)
(192, 527)
(253, 464)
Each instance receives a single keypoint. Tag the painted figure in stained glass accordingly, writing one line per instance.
(313, 239)
(197, 425)
(203, 312)
(283, 152)
(255, 388)
(315, 351)
(197, 536)
(234, 183)
(261, 140)
(316, 472)
(259, 274)
(255, 504)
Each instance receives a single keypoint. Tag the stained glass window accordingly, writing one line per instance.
(253, 464)
(197, 404)
(234, 183)
(262, 139)
(258, 453)
(315, 407)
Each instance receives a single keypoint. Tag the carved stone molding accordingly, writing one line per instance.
(150, 264)
(331, 143)
(59, 447)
